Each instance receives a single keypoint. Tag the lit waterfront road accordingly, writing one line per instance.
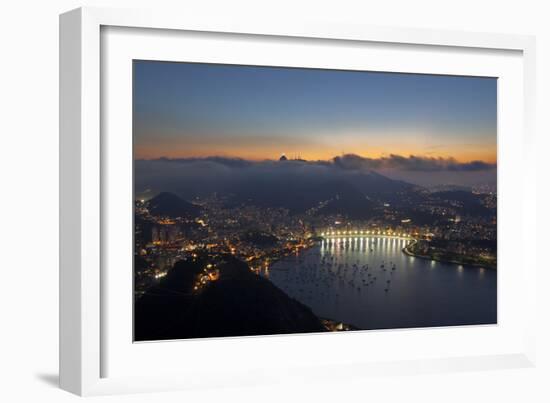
(361, 234)
(368, 281)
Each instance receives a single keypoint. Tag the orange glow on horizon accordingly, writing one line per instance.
(262, 154)
(321, 145)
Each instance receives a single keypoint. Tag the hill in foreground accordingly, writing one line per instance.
(239, 303)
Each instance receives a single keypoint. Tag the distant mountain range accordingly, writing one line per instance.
(470, 203)
(358, 195)
(296, 186)
(309, 181)
(299, 195)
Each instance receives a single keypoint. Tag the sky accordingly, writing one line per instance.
(194, 110)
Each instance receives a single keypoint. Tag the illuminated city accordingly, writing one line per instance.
(236, 236)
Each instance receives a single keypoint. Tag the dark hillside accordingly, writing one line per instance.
(240, 303)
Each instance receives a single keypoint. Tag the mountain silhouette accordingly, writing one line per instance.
(240, 303)
(354, 197)
(168, 204)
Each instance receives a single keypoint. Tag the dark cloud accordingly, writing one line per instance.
(410, 163)
(349, 162)
(201, 176)
(230, 162)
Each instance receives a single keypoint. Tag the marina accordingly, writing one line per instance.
(370, 283)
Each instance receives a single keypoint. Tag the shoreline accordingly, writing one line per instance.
(407, 252)
(280, 255)
(333, 324)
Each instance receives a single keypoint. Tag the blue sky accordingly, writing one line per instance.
(198, 110)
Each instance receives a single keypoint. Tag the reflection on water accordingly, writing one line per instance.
(370, 283)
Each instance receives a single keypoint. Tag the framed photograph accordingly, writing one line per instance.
(244, 202)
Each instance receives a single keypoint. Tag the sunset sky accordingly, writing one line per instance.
(197, 110)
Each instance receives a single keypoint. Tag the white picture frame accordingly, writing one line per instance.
(84, 178)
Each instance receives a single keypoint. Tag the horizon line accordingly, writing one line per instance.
(303, 159)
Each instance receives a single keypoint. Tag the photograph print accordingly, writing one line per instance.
(277, 200)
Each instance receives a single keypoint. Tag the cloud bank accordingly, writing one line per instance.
(410, 163)
(202, 176)
(355, 162)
